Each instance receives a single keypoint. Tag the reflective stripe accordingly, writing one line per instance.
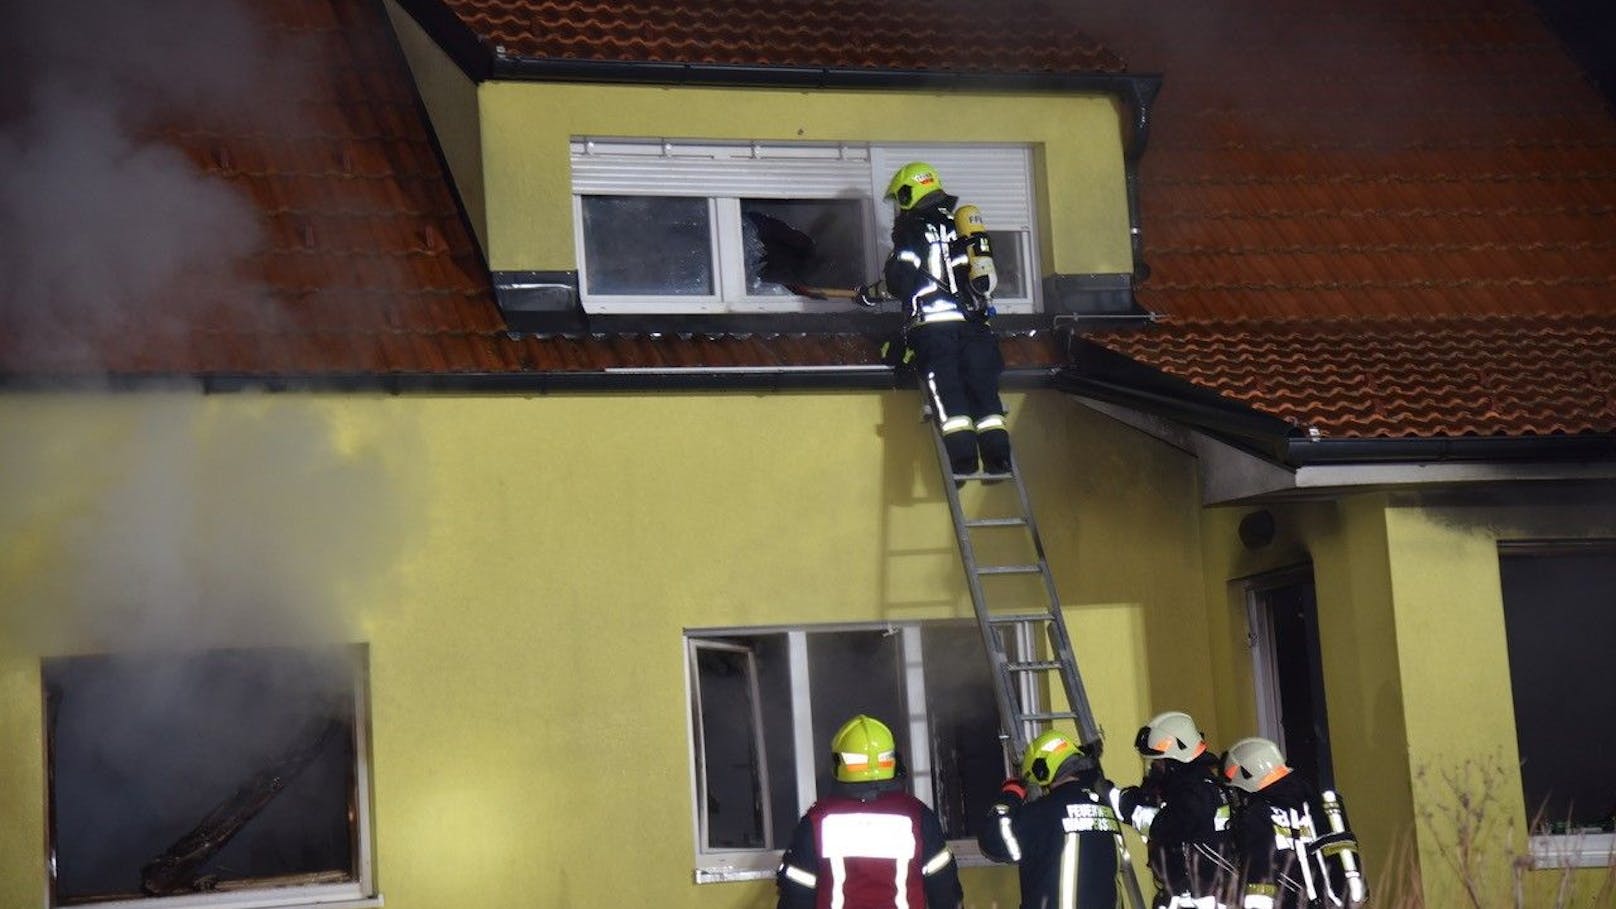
(991, 421)
(867, 835)
(956, 424)
(905, 255)
(937, 863)
(1068, 872)
(1007, 833)
(951, 314)
(799, 876)
(900, 884)
(838, 880)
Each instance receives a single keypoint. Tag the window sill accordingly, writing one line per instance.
(1574, 850)
(325, 898)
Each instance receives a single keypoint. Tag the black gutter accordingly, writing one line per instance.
(858, 378)
(1105, 375)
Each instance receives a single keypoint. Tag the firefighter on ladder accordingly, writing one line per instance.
(1296, 850)
(1182, 813)
(1068, 841)
(869, 844)
(941, 271)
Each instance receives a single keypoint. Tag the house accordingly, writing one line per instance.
(389, 515)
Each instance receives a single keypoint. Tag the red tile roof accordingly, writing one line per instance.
(1398, 219)
(1007, 36)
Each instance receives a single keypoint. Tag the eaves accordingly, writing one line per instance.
(1246, 455)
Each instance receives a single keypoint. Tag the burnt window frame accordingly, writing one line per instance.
(245, 893)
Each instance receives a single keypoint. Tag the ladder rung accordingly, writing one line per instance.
(994, 477)
(1034, 666)
(1045, 717)
(996, 522)
(1009, 569)
(1020, 618)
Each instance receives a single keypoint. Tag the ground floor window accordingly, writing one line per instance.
(1560, 623)
(234, 777)
(765, 703)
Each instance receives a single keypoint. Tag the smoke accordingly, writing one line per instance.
(105, 223)
(178, 521)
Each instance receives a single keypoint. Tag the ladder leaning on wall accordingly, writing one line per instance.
(1020, 671)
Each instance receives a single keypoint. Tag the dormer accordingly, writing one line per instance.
(621, 167)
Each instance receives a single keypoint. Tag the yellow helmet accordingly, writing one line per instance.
(913, 181)
(1045, 755)
(863, 750)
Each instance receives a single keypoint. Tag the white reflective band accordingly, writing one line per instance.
(938, 862)
(838, 878)
(957, 424)
(1068, 872)
(945, 315)
(799, 876)
(992, 421)
(855, 760)
(905, 255)
(1006, 832)
(867, 835)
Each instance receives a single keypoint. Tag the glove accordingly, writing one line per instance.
(868, 295)
(1012, 789)
(896, 353)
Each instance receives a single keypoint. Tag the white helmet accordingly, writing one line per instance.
(1253, 764)
(1170, 735)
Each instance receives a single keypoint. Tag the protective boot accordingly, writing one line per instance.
(995, 447)
(961, 446)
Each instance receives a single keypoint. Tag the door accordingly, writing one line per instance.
(1287, 670)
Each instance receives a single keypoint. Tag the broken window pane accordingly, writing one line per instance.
(1009, 251)
(968, 758)
(648, 245)
(181, 772)
(811, 242)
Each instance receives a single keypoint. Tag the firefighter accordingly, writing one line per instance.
(941, 271)
(1066, 841)
(869, 844)
(1295, 849)
(1181, 812)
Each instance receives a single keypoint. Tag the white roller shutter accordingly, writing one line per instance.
(994, 178)
(750, 171)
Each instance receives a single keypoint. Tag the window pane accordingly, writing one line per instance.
(732, 765)
(855, 672)
(817, 242)
(176, 772)
(1008, 254)
(647, 245)
(967, 757)
(1560, 619)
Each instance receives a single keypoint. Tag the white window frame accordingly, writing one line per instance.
(715, 866)
(359, 893)
(996, 177)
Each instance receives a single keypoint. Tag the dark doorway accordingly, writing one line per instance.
(1289, 672)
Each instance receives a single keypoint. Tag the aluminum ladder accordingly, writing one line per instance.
(1019, 671)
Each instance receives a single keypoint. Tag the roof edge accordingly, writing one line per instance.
(549, 69)
(649, 379)
(1104, 374)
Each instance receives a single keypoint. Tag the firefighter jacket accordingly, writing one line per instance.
(928, 271)
(868, 846)
(1288, 856)
(1183, 814)
(1066, 842)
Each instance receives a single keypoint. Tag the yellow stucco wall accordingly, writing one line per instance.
(526, 128)
(450, 99)
(522, 570)
(1416, 671)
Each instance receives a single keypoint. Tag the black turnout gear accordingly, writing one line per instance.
(955, 350)
(1067, 843)
(1183, 813)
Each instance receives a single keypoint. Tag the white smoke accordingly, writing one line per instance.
(105, 224)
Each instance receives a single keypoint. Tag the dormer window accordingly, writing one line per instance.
(741, 227)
